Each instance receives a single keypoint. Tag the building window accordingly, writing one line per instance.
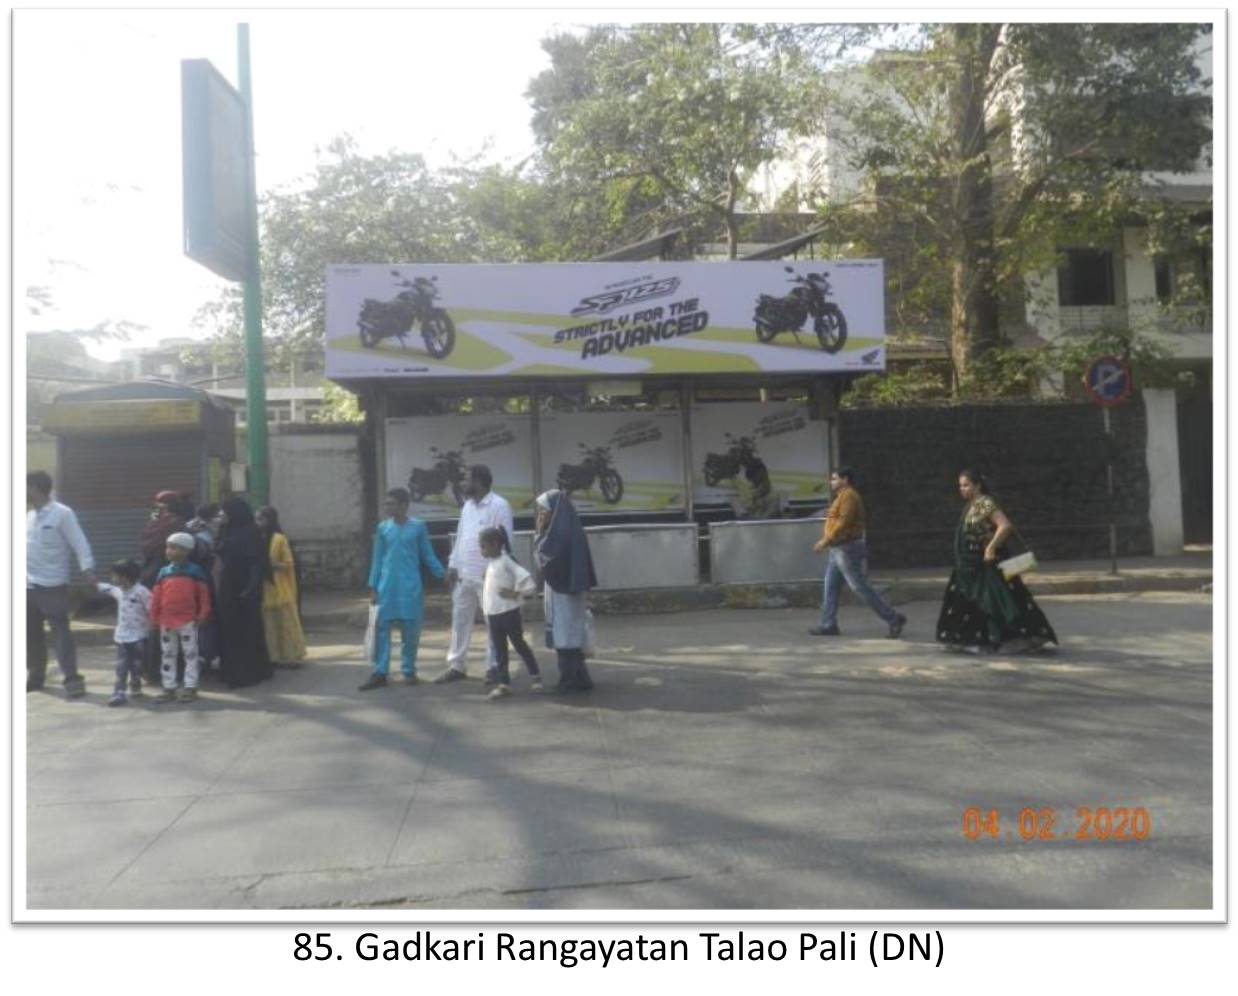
(1164, 279)
(1085, 279)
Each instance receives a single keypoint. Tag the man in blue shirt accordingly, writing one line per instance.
(53, 535)
(401, 549)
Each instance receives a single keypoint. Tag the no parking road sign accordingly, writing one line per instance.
(1108, 380)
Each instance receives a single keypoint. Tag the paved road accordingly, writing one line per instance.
(726, 760)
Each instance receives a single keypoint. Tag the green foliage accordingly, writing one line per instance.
(1150, 360)
(669, 123)
(916, 384)
(1007, 373)
(339, 406)
(984, 148)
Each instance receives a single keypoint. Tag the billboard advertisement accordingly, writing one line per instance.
(614, 461)
(747, 441)
(604, 319)
(430, 456)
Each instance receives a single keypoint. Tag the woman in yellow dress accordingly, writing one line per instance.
(281, 623)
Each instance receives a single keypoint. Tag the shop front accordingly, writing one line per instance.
(119, 445)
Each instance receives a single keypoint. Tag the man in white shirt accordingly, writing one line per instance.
(466, 570)
(53, 536)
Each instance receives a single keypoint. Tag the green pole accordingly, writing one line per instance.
(255, 373)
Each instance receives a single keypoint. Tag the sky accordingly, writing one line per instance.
(97, 131)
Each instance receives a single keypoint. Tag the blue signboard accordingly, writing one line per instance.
(1108, 380)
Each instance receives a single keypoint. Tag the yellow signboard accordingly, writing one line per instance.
(107, 416)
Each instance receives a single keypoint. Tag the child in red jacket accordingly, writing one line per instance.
(180, 602)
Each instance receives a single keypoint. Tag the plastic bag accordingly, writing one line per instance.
(370, 627)
(590, 647)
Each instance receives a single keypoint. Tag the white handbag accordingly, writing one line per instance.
(1022, 563)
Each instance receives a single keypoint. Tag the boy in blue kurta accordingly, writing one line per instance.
(401, 549)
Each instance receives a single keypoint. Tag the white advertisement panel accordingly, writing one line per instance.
(604, 319)
(430, 455)
(614, 461)
(747, 440)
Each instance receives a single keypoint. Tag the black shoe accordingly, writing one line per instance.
(824, 631)
(75, 688)
(373, 681)
(34, 686)
(896, 627)
(448, 676)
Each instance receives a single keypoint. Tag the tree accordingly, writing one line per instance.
(355, 209)
(988, 142)
(669, 123)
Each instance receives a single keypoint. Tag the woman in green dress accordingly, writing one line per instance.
(982, 609)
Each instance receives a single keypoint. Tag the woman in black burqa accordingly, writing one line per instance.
(244, 566)
(562, 552)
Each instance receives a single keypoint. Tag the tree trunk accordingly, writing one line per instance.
(732, 226)
(974, 311)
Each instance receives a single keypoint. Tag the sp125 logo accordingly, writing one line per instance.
(609, 300)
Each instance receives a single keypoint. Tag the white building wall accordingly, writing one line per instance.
(1164, 475)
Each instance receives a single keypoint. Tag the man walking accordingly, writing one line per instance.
(52, 535)
(401, 549)
(843, 543)
(466, 570)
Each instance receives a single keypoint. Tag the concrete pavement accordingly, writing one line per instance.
(725, 760)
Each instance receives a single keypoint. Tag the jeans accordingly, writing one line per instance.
(504, 627)
(52, 605)
(845, 562)
(129, 658)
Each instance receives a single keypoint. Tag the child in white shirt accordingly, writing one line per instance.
(505, 584)
(132, 625)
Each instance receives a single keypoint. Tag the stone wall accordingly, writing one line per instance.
(317, 486)
(1045, 464)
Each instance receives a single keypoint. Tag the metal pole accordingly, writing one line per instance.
(1113, 528)
(255, 373)
(685, 422)
(535, 436)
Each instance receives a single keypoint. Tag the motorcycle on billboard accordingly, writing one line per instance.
(412, 306)
(808, 298)
(596, 466)
(446, 474)
(741, 455)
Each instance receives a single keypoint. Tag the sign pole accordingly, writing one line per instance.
(1113, 529)
(255, 373)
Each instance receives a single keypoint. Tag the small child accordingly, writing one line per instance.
(506, 582)
(180, 603)
(132, 625)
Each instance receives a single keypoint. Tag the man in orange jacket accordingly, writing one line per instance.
(842, 541)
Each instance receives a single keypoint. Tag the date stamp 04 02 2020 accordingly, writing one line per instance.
(1041, 823)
